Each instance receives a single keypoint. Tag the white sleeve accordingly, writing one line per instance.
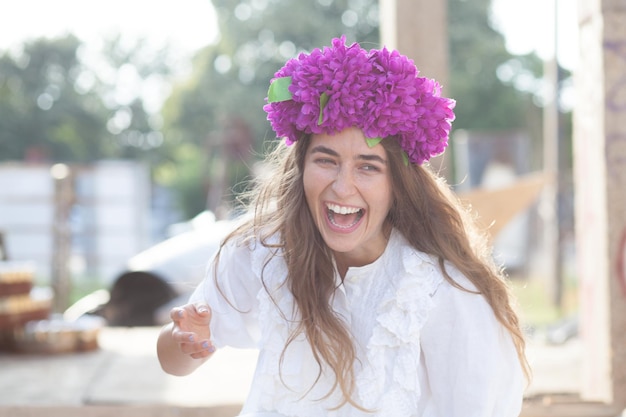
(471, 364)
(232, 297)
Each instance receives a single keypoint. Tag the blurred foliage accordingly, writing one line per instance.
(44, 111)
(533, 303)
(53, 107)
(476, 53)
(208, 135)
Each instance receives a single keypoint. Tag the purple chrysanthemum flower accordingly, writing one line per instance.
(378, 91)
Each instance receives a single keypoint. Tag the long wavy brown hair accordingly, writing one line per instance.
(424, 210)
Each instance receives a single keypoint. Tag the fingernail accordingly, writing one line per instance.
(180, 313)
(191, 338)
(211, 349)
(205, 345)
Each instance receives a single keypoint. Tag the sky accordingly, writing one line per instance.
(530, 25)
(188, 25)
(185, 24)
(191, 24)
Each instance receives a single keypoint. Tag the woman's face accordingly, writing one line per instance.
(348, 190)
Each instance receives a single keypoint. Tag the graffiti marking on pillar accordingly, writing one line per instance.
(621, 263)
(616, 94)
(616, 147)
(615, 154)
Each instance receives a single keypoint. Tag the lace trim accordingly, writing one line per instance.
(390, 382)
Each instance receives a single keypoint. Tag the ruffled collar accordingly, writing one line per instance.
(387, 381)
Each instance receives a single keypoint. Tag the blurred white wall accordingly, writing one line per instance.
(108, 216)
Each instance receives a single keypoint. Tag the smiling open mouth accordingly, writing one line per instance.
(343, 217)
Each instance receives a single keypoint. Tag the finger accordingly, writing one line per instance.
(200, 355)
(201, 349)
(177, 313)
(184, 337)
(203, 309)
(207, 350)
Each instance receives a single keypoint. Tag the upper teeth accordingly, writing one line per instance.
(342, 209)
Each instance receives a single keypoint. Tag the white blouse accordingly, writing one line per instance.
(424, 347)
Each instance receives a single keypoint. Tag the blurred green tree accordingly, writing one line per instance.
(477, 52)
(47, 110)
(54, 106)
(494, 89)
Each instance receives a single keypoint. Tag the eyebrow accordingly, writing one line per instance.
(332, 152)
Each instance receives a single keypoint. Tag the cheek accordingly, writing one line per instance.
(310, 185)
(383, 205)
(315, 179)
(383, 200)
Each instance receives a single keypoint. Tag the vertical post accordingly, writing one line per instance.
(4, 256)
(215, 148)
(62, 236)
(549, 198)
(600, 179)
(419, 30)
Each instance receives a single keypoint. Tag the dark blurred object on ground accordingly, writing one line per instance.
(162, 276)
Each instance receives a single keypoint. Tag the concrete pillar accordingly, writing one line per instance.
(600, 180)
(419, 30)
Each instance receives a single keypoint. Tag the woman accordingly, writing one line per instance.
(357, 274)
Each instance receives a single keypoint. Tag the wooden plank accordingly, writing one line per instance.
(121, 411)
(547, 408)
(494, 208)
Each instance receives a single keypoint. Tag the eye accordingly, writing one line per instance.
(324, 161)
(370, 168)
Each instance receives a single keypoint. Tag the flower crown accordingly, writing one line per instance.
(378, 91)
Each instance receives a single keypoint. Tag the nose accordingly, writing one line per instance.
(343, 184)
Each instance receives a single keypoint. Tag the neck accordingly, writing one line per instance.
(347, 260)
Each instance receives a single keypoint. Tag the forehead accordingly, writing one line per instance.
(347, 142)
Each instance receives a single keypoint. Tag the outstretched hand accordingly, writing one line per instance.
(191, 330)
